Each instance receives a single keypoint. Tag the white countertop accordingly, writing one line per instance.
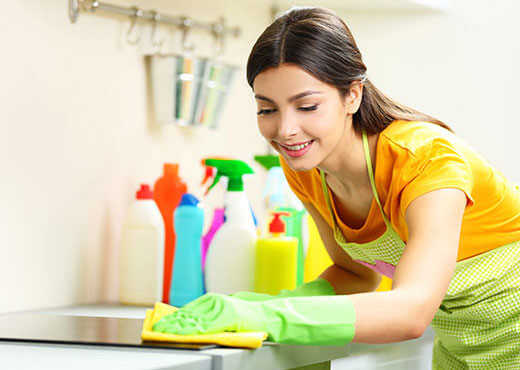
(95, 310)
(272, 356)
(37, 356)
(415, 354)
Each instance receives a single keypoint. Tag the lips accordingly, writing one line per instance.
(297, 149)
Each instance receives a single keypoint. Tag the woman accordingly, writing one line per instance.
(393, 192)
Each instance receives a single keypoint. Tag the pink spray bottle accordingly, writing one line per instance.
(218, 219)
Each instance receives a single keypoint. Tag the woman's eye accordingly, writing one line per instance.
(265, 111)
(309, 108)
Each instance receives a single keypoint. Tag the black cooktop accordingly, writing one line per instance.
(87, 330)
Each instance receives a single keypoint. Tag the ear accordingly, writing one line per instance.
(354, 96)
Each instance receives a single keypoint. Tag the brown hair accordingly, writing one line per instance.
(318, 40)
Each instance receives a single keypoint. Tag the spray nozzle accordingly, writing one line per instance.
(233, 169)
(209, 172)
(277, 225)
(268, 161)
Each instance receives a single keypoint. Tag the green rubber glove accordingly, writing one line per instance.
(320, 320)
(316, 287)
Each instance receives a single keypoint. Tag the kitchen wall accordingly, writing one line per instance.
(81, 137)
(460, 66)
(78, 134)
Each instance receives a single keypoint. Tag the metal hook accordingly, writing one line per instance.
(137, 13)
(218, 33)
(156, 17)
(186, 25)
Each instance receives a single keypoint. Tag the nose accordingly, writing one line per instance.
(287, 126)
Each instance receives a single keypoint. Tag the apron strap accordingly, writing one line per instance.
(370, 175)
(370, 170)
(337, 232)
(326, 193)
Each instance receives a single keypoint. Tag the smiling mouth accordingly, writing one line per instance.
(297, 146)
(297, 150)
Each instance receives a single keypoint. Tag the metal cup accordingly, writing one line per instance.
(189, 91)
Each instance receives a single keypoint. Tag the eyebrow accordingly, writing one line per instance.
(292, 98)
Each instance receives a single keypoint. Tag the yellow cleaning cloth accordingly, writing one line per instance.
(243, 340)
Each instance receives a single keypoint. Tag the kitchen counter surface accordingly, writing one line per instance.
(272, 356)
(37, 356)
(414, 354)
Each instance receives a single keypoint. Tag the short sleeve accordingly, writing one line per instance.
(436, 167)
(294, 182)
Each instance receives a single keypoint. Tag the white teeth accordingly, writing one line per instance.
(297, 147)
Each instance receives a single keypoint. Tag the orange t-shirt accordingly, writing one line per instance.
(413, 158)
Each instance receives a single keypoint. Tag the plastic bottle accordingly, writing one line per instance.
(142, 251)
(273, 192)
(276, 259)
(216, 223)
(294, 223)
(218, 213)
(317, 259)
(186, 282)
(168, 191)
(230, 258)
(276, 194)
(385, 285)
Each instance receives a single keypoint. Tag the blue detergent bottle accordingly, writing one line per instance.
(187, 279)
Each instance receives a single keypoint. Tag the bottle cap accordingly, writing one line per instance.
(171, 169)
(277, 225)
(188, 200)
(144, 192)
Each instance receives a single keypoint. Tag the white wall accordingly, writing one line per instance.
(77, 135)
(81, 138)
(461, 66)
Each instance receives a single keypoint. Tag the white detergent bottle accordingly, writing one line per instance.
(230, 260)
(142, 251)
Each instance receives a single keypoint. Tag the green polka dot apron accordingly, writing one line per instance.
(477, 325)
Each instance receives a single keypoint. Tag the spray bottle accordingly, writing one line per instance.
(273, 192)
(218, 215)
(230, 257)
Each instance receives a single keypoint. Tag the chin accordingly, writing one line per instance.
(299, 165)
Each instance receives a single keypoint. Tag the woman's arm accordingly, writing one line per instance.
(422, 275)
(345, 275)
(420, 282)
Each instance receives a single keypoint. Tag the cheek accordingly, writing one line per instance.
(266, 130)
(332, 121)
(321, 124)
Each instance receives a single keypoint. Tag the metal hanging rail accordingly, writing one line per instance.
(217, 28)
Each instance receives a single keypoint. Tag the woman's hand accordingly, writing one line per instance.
(295, 320)
(213, 313)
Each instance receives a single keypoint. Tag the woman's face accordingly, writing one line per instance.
(303, 118)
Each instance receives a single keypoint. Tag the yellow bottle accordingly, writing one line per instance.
(276, 259)
(385, 285)
(317, 259)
